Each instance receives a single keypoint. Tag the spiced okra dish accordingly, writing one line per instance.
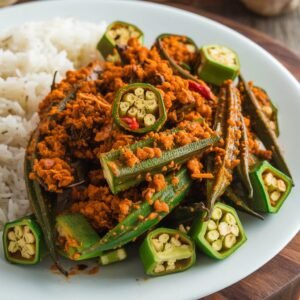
(157, 148)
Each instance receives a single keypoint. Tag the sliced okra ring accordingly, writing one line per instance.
(113, 256)
(271, 187)
(166, 251)
(75, 234)
(218, 63)
(117, 33)
(139, 108)
(220, 236)
(23, 241)
(181, 68)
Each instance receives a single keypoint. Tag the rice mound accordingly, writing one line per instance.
(29, 56)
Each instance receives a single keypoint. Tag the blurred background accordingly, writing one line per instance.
(279, 19)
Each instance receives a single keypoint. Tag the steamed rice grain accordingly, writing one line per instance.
(29, 56)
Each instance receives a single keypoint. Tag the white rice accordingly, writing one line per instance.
(29, 56)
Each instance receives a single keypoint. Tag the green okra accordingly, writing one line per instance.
(113, 256)
(135, 112)
(221, 235)
(117, 33)
(166, 251)
(218, 63)
(144, 217)
(179, 68)
(261, 127)
(120, 177)
(74, 235)
(230, 132)
(23, 241)
(271, 187)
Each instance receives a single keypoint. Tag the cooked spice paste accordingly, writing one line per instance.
(85, 129)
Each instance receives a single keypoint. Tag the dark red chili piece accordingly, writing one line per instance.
(201, 89)
(132, 123)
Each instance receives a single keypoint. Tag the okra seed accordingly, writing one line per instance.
(168, 246)
(139, 91)
(268, 178)
(175, 242)
(150, 95)
(171, 262)
(26, 229)
(229, 219)
(275, 196)
(182, 228)
(267, 110)
(159, 268)
(151, 106)
(281, 185)
(132, 112)
(217, 214)
(184, 246)
(170, 268)
(139, 103)
(272, 125)
(273, 185)
(234, 229)
(18, 231)
(164, 238)
(157, 245)
(21, 242)
(13, 247)
(11, 236)
(29, 238)
(229, 241)
(217, 245)
(149, 120)
(29, 248)
(130, 98)
(223, 228)
(212, 235)
(191, 48)
(124, 106)
(211, 225)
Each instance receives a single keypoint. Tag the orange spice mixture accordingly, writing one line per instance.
(76, 126)
(179, 49)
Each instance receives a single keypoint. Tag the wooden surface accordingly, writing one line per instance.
(279, 279)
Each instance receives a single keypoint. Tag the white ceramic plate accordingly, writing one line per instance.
(265, 239)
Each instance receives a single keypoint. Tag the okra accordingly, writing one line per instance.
(120, 177)
(261, 127)
(271, 187)
(268, 108)
(239, 203)
(180, 68)
(144, 217)
(221, 235)
(227, 126)
(41, 200)
(218, 63)
(117, 33)
(243, 168)
(74, 235)
(23, 241)
(113, 256)
(139, 108)
(165, 251)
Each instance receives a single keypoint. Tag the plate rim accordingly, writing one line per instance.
(292, 233)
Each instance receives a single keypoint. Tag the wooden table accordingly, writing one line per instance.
(279, 279)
